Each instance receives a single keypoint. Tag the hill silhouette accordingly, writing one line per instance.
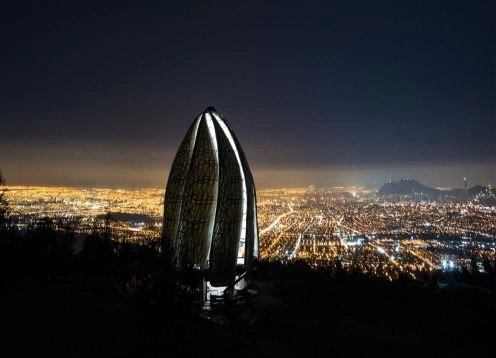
(408, 187)
(412, 187)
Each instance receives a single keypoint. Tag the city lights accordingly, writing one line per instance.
(365, 232)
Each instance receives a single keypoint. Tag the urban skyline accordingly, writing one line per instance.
(318, 225)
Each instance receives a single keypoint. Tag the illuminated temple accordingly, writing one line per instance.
(210, 215)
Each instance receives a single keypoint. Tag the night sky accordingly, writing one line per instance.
(330, 93)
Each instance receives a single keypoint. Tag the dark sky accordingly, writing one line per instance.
(337, 92)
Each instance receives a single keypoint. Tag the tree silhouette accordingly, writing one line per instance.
(474, 268)
(107, 229)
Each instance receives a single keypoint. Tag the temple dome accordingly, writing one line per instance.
(210, 216)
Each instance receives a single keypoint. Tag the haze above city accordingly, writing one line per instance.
(331, 93)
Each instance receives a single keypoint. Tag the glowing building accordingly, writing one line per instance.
(210, 215)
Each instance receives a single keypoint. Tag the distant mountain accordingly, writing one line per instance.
(408, 187)
(477, 190)
(412, 187)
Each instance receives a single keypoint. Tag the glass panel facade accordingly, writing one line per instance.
(210, 203)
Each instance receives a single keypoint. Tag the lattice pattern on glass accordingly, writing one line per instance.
(210, 203)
